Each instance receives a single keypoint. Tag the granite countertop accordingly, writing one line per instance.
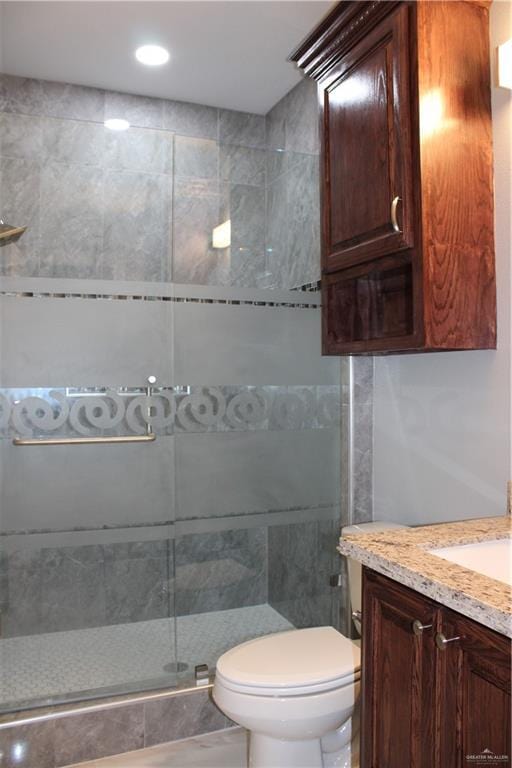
(401, 555)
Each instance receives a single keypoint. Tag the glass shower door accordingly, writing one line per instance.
(86, 312)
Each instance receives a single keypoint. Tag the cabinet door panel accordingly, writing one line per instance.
(367, 148)
(398, 673)
(473, 694)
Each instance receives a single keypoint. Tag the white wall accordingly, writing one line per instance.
(442, 421)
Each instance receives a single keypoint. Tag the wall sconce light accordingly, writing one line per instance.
(505, 65)
(221, 235)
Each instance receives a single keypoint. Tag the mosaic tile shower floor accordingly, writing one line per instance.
(106, 659)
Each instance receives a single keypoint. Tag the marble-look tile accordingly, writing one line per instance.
(196, 158)
(276, 163)
(137, 589)
(194, 120)
(219, 571)
(137, 226)
(98, 734)
(21, 136)
(242, 165)
(73, 141)
(179, 717)
(20, 205)
(299, 583)
(275, 126)
(241, 128)
(277, 232)
(74, 102)
(71, 233)
(303, 216)
(136, 550)
(139, 149)
(21, 94)
(221, 749)
(362, 439)
(4, 581)
(28, 746)
(72, 588)
(302, 121)
(245, 207)
(140, 111)
(28, 96)
(22, 612)
(196, 213)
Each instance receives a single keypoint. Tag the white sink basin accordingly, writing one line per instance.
(491, 558)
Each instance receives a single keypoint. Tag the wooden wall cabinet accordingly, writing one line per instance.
(407, 187)
(423, 706)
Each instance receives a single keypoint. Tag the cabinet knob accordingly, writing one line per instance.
(418, 627)
(442, 641)
(394, 218)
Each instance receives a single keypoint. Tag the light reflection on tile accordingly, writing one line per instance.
(226, 749)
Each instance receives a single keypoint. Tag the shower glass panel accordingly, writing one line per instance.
(86, 530)
(257, 439)
(123, 565)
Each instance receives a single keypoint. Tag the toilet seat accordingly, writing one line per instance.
(294, 663)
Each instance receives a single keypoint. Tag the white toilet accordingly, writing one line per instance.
(296, 692)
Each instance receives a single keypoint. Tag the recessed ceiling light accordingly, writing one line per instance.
(117, 124)
(152, 55)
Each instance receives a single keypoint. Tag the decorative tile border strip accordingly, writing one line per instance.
(91, 412)
(172, 299)
(309, 287)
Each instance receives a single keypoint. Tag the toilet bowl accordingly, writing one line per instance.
(295, 692)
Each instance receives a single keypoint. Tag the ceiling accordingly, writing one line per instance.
(225, 54)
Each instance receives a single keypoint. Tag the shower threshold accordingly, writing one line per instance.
(38, 670)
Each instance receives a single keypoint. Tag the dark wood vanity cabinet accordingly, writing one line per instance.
(428, 703)
(407, 200)
(473, 692)
(398, 668)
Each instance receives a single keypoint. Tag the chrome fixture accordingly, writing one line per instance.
(418, 628)
(442, 641)
(148, 438)
(394, 220)
(8, 233)
(357, 616)
(202, 674)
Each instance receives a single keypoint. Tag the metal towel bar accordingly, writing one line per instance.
(149, 438)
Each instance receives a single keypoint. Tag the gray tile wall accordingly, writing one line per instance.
(76, 738)
(142, 204)
(293, 189)
(302, 557)
(65, 588)
(218, 571)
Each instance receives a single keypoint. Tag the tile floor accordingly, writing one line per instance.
(223, 749)
(57, 664)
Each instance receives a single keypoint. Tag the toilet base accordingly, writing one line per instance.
(268, 752)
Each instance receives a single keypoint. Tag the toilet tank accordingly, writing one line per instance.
(355, 568)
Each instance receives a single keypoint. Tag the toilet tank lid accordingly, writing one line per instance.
(300, 657)
(374, 527)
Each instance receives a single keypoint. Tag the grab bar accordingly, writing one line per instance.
(148, 438)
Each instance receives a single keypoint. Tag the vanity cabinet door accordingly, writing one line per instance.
(473, 692)
(367, 194)
(398, 676)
